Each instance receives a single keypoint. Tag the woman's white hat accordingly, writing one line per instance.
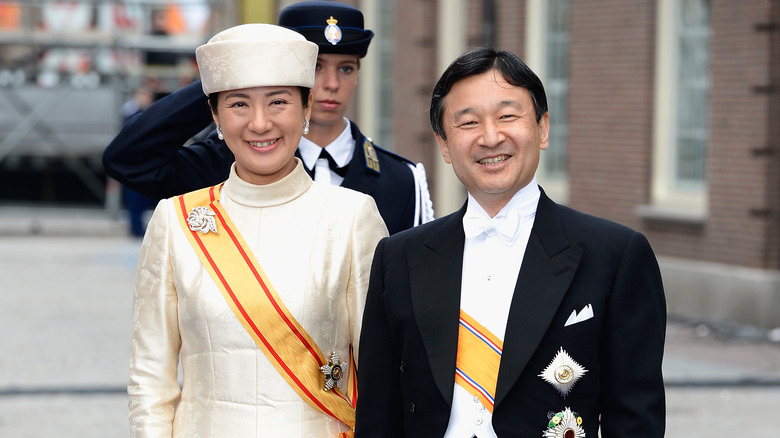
(256, 55)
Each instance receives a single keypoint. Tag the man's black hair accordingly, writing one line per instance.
(478, 61)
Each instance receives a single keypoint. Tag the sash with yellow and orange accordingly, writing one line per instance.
(259, 308)
(478, 359)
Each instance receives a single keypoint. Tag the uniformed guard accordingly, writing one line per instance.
(148, 154)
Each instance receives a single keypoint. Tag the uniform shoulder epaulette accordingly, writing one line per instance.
(384, 152)
(369, 151)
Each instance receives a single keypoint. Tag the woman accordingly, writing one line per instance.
(257, 284)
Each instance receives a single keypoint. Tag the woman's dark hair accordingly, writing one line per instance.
(478, 61)
(214, 98)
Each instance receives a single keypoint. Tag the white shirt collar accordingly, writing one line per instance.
(490, 269)
(341, 149)
(524, 202)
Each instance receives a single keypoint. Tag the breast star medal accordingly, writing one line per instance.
(563, 372)
(564, 424)
(202, 219)
(333, 372)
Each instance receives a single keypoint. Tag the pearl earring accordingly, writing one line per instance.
(306, 126)
(219, 133)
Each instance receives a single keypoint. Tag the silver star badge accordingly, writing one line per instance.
(563, 372)
(202, 219)
(333, 372)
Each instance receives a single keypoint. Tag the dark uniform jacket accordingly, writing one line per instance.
(147, 156)
(409, 339)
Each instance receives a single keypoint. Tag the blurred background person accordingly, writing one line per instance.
(136, 204)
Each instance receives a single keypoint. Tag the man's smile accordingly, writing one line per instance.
(494, 160)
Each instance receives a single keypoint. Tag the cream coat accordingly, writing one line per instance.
(315, 242)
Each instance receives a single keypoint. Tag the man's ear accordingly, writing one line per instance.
(544, 131)
(445, 151)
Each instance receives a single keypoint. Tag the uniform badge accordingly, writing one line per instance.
(564, 424)
(563, 372)
(372, 159)
(202, 219)
(332, 32)
(333, 372)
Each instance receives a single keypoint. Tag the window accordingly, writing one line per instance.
(375, 104)
(681, 121)
(386, 55)
(693, 82)
(549, 56)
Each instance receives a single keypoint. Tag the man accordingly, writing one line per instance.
(148, 154)
(514, 316)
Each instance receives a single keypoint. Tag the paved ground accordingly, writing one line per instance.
(65, 300)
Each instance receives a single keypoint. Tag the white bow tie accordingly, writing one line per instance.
(504, 226)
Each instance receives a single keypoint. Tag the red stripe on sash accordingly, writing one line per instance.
(271, 299)
(247, 259)
(243, 311)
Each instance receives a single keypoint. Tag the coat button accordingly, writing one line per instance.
(403, 366)
(411, 407)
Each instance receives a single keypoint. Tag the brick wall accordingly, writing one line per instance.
(610, 138)
(611, 116)
(414, 75)
(510, 26)
(611, 94)
(772, 251)
(740, 213)
(415, 68)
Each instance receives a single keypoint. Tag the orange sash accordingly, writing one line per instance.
(478, 359)
(261, 311)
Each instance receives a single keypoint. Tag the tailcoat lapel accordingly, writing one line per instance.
(435, 266)
(435, 271)
(548, 268)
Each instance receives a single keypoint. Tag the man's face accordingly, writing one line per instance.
(334, 81)
(493, 140)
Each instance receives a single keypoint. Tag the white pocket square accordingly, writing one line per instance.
(585, 314)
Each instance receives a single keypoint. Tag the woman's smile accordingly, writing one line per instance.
(263, 144)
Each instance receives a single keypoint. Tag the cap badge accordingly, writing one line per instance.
(333, 371)
(332, 32)
(202, 219)
(564, 424)
(563, 372)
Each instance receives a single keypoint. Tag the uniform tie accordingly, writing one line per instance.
(320, 172)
